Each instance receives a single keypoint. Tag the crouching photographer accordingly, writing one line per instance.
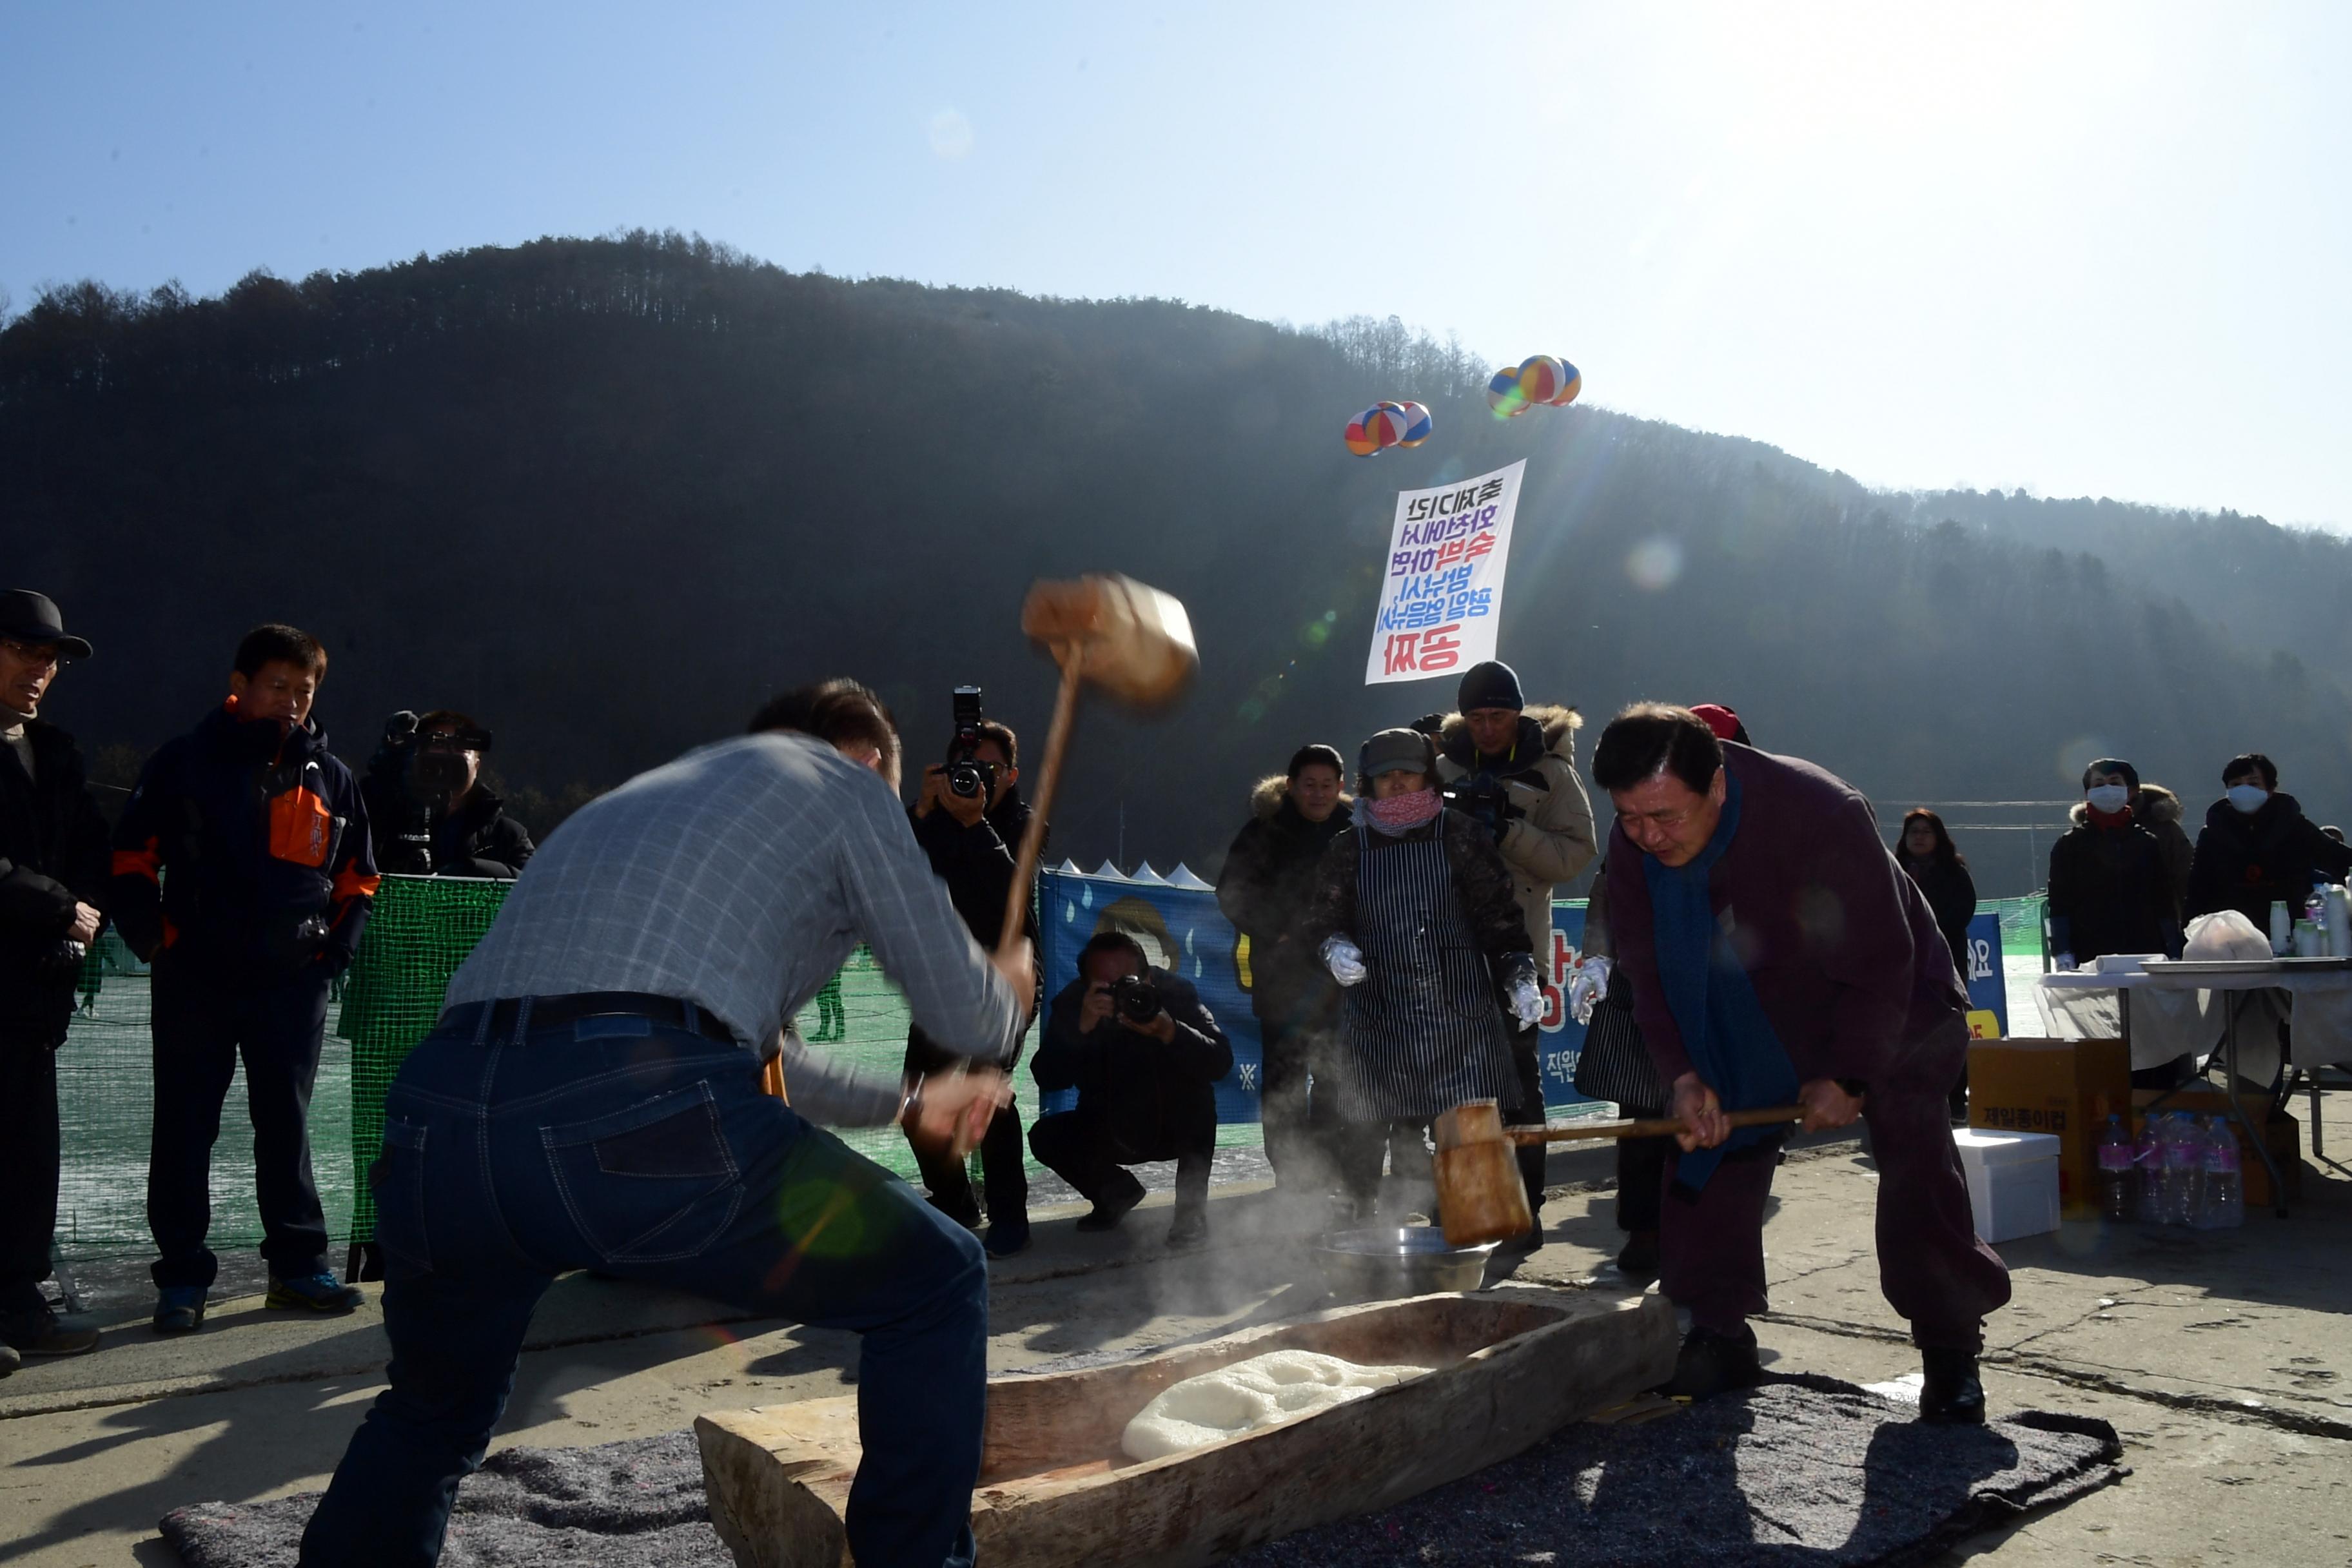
(1142, 1052)
(429, 811)
(970, 821)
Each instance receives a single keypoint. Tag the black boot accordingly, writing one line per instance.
(1951, 1394)
(1712, 1364)
(1638, 1262)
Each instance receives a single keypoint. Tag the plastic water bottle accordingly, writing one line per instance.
(2116, 1183)
(2148, 1167)
(2184, 1169)
(2223, 1200)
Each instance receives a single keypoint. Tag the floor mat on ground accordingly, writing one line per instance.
(1802, 1471)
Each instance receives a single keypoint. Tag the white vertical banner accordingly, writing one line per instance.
(1442, 596)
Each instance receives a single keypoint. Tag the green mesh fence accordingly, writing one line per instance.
(105, 1110)
(420, 931)
(2021, 924)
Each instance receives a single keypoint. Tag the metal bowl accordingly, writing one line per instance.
(1399, 1260)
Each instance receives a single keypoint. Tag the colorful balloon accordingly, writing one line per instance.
(1571, 383)
(1382, 425)
(1361, 441)
(1539, 378)
(1503, 393)
(1417, 424)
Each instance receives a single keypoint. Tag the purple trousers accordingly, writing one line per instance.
(1931, 1267)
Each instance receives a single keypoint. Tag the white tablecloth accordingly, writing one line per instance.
(2176, 1013)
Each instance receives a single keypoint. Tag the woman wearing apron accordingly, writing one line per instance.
(1416, 918)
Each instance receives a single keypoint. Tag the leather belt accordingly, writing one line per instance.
(554, 1012)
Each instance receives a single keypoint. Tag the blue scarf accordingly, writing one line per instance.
(1730, 1040)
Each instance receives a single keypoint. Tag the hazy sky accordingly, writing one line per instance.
(2086, 250)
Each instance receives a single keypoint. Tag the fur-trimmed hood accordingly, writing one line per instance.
(1267, 796)
(1555, 728)
(2152, 807)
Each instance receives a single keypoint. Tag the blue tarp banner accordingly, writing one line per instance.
(1987, 984)
(1185, 933)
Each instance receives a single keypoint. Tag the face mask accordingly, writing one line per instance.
(2248, 798)
(2109, 798)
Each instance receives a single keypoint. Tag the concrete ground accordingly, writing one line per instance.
(2224, 1360)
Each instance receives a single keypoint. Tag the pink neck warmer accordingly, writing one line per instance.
(1402, 813)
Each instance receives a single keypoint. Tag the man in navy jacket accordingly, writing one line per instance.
(241, 872)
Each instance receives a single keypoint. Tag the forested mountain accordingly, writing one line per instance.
(608, 494)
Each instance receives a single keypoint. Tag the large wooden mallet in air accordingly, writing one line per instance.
(1132, 642)
(1480, 1198)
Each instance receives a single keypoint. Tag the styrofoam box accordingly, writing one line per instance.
(2012, 1180)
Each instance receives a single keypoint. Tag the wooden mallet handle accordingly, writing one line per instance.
(1072, 658)
(1662, 1127)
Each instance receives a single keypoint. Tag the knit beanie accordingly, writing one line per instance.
(1493, 684)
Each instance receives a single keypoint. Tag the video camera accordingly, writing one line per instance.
(1483, 797)
(437, 770)
(967, 776)
(1135, 998)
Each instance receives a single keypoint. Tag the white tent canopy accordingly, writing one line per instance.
(1144, 873)
(1184, 877)
(1109, 871)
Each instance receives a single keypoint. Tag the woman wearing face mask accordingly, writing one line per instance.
(1415, 918)
(2108, 890)
(1270, 877)
(2258, 848)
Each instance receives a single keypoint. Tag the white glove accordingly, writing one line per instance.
(1345, 960)
(1527, 1002)
(1587, 987)
(2062, 960)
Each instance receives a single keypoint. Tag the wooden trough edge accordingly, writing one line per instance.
(1536, 1360)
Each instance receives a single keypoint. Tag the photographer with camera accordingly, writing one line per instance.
(1142, 1052)
(970, 820)
(1512, 769)
(429, 810)
(53, 864)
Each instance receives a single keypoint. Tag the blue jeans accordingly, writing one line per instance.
(645, 1150)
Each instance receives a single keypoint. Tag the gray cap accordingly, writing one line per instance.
(1396, 751)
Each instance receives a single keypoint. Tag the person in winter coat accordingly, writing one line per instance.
(53, 866)
(1932, 860)
(1513, 768)
(1144, 1080)
(2258, 849)
(429, 813)
(243, 873)
(1777, 954)
(971, 842)
(2109, 891)
(2160, 811)
(1415, 916)
(1270, 879)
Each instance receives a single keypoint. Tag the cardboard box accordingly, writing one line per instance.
(2281, 1135)
(2013, 1181)
(2066, 1088)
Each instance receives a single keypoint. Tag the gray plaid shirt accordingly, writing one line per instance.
(739, 878)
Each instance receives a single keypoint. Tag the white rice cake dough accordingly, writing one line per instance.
(1279, 1385)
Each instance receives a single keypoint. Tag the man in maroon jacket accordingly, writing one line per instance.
(1777, 952)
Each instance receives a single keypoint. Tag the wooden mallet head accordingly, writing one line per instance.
(1132, 641)
(1480, 1196)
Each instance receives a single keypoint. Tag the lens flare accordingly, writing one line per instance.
(1655, 563)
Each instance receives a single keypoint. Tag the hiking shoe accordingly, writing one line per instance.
(38, 1331)
(1005, 1238)
(1190, 1229)
(1638, 1261)
(1712, 1364)
(179, 1309)
(1108, 1212)
(318, 1292)
(1950, 1393)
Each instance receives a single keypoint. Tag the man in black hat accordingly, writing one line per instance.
(1513, 768)
(53, 866)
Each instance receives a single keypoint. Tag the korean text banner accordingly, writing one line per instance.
(1442, 589)
(1184, 932)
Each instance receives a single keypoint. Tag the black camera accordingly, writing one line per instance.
(1482, 798)
(1135, 998)
(967, 774)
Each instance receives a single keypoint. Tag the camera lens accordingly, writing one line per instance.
(966, 779)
